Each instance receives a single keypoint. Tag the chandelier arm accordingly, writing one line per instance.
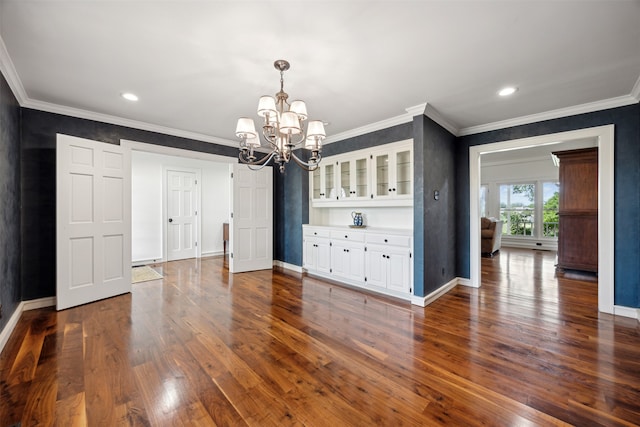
(262, 162)
(309, 167)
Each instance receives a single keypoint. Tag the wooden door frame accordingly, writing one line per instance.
(606, 168)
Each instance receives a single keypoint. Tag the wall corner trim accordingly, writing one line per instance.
(428, 299)
(287, 266)
(15, 317)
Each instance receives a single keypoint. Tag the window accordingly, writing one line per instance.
(550, 217)
(517, 209)
(484, 190)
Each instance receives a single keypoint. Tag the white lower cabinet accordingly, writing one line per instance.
(317, 254)
(347, 260)
(376, 259)
(388, 267)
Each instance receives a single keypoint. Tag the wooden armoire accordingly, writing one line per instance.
(578, 209)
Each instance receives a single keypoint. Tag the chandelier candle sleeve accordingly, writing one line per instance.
(283, 131)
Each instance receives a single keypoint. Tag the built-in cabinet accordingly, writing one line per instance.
(379, 176)
(376, 259)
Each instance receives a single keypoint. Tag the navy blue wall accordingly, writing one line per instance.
(290, 211)
(626, 194)
(9, 202)
(434, 221)
(39, 130)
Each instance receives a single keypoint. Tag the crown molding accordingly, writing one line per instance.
(589, 107)
(372, 127)
(115, 120)
(635, 92)
(10, 74)
(435, 115)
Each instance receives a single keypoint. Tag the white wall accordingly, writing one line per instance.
(146, 203)
(387, 217)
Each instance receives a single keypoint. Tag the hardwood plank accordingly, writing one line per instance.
(203, 347)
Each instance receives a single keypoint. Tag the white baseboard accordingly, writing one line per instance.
(631, 312)
(465, 282)
(287, 266)
(426, 300)
(212, 253)
(22, 307)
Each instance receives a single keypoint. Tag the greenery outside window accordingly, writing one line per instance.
(550, 217)
(517, 209)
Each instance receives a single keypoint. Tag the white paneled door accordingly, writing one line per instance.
(181, 215)
(251, 227)
(93, 221)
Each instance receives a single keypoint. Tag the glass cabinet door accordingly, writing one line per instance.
(381, 164)
(316, 185)
(329, 186)
(345, 180)
(361, 178)
(403, 173)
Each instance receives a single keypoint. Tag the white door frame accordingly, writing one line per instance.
(605, 142)
(171, 151)
(165, 218)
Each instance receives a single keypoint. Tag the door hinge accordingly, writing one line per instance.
(196, 182)
(330, 244)
(365, 279)
(196, 244)
(196, 213)
(231, 214)
(409, 254)
(331, 270)
(231, 255)
(372, 196)
(231, 175)
(365, 249)
(410, 290)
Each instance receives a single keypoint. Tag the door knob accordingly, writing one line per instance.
(170, 219)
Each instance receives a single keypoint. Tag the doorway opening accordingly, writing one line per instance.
(604, 135)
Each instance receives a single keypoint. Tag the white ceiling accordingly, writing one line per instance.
(199, 65)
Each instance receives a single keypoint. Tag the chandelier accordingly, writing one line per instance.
(283, 131)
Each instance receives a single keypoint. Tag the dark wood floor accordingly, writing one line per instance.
(200, 347)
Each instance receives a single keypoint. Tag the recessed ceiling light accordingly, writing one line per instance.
(130, 96)
(509, 90)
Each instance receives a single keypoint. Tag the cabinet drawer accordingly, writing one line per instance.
(348, 236)
(383, 239)
(317, 232)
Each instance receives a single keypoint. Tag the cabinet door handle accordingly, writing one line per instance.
(346, 236)
(389, 190)
(394, 189)
(385, 240)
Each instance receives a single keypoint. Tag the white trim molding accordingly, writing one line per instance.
(435, 115)
(635, 92)
(15, 317)
(428, 299)
(287, 266)
(372, 127)
(589, 107)
(605, 137)
(633, 313)
(11, 75)
(120, 121)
